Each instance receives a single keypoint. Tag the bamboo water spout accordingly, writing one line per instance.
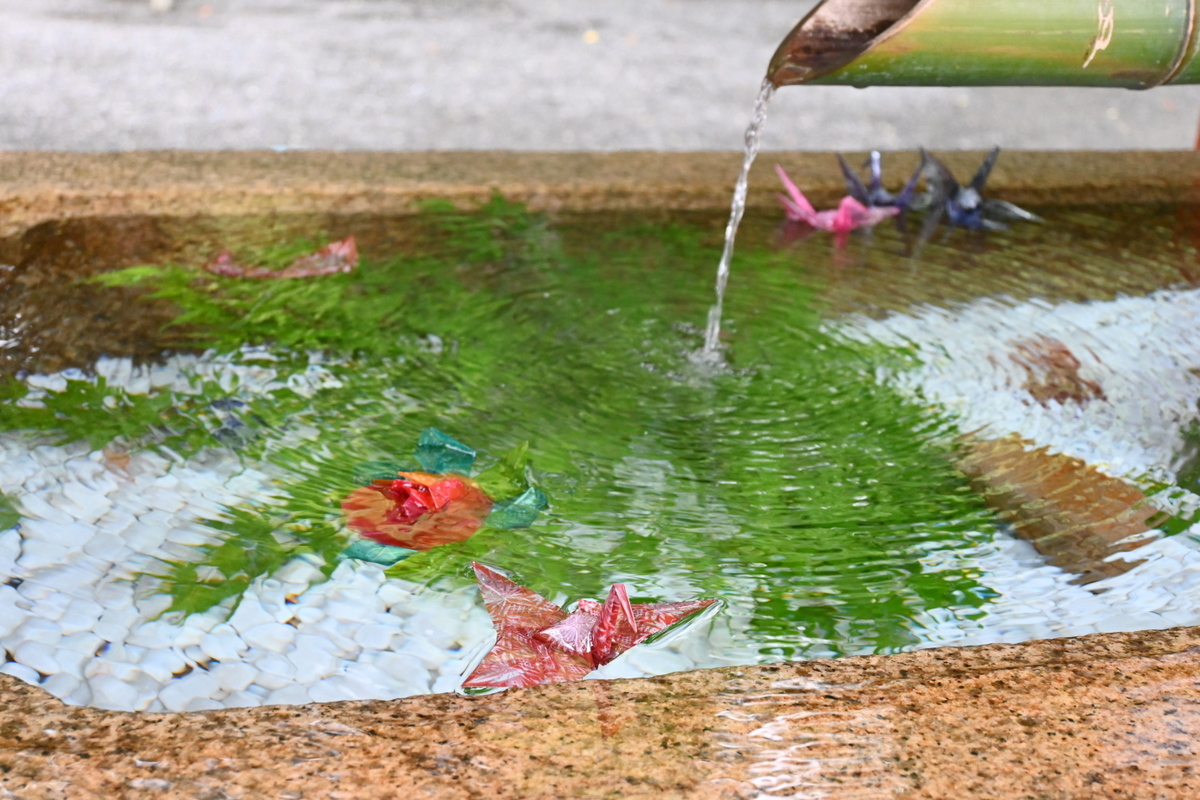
(1137, 44)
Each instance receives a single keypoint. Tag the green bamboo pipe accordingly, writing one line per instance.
(1137, 44)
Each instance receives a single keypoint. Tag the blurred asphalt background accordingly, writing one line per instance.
(503, 74)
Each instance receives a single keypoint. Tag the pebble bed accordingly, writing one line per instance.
(79, 616)
(1145, 354)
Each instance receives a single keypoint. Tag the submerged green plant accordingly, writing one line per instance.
(794, 483)
(9, 516)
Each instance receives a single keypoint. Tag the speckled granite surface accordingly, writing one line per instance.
(1111, 715)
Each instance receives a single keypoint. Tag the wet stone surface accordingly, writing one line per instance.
(1098, 717)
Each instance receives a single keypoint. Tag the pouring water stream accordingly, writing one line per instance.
(712, 334)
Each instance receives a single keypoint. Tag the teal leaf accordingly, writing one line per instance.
(518, 512)
(440, 453)
(366, 550)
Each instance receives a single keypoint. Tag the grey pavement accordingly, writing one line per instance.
(508, 74)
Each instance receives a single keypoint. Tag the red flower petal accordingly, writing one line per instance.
(406, 513)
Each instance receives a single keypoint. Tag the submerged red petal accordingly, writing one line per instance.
(406, 512)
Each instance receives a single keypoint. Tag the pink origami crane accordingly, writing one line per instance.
(329, 260)
(538, 642)
(849, 215)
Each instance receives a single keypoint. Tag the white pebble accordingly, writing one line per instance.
(223, 644)
(144, 537)
(273, 636)
(21, 671)
(72, 534)
(313, 659)
(61, 685)
(234, 676)
(291, 695)
(115, 623)
(331, 690)
(249, 614)
(84, 504)
(432, 657)
(404, 667)
(109, 692)
(179, 692)
(377, 637)
(37, 629)
(163, 664)
(39, 554)
(35, 507)
(81, 615)
(242, 700)
(38, 656)
(163, 499)
(12, 611)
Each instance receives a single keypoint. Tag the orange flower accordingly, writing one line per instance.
(418, 510)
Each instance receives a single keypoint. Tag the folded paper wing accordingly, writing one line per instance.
(538, 642)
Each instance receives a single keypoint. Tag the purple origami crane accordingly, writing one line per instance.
(849, 215)
(538, 642)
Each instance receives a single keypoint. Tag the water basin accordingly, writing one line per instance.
(840, 487)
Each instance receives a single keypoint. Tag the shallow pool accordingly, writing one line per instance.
(171, 532)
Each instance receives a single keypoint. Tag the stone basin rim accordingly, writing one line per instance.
(38, 187)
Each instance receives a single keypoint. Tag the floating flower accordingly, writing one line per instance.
(401, 511)
(418, 510)
(538, 642)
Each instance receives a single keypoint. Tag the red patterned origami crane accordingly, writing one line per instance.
(332, 259)
(538, 642)
(849, 215)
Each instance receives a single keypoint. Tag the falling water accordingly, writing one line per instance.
(712, 334)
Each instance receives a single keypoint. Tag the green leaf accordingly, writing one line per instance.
(191, 595)
(507, 477)
(9, 516)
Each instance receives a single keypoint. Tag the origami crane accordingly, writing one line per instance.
(329, 260)
(538, 642)
(872, 194)
(965, 206)
(849, 215)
